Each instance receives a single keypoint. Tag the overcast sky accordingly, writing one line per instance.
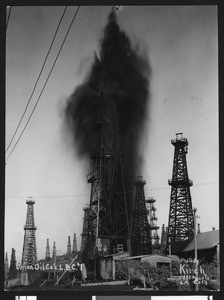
(182, 45)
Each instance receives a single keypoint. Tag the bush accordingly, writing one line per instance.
(211, 270)
(142, 273)
(184, 287)
(175, 267)
(213, 285)
(121, 271)
(171, 285)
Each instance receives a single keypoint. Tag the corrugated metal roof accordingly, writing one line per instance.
(156, 258)
(147, 256)
(205, 240)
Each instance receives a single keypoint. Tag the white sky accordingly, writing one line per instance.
(182, 49)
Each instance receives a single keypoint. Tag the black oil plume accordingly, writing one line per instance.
(118, 80)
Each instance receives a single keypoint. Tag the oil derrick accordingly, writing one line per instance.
(69, 249)
(107, 223)
(12, 269)
(74, 245)
(85, 230)
(29, 255)
(47, 254)
(6, 266)
(141, 238)
(181, 221)
(54, 255)
(153, 221)
(163, 235)
(54, 252)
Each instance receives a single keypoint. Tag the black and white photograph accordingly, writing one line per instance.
(112, 150)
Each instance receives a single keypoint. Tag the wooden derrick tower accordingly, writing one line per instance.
(153, 221)
(12, 270)
(85, 230)
(164, 235)
(6, 266)
(181, 221)
(47, 253)
(29, 255)
(141, 237)
(105, 226)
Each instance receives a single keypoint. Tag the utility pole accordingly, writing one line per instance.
(195, 248)
(170, 257)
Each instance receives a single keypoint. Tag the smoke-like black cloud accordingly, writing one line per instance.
(119, 82)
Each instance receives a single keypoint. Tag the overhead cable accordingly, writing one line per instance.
(45, 60)
(44, 84)
(7, 22)
(86, 195)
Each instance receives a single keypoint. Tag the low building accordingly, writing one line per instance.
(108, 263)
(154, 259)
(207, 246)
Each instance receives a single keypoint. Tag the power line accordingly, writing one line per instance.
(44, 84)
(10, 9)
(45, 60)
(85, 195)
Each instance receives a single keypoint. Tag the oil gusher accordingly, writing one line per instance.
(107, 223)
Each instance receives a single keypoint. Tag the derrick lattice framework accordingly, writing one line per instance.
(164, 235)
(181, 222)
(47, 254)
(106, 227)
(6, 266)
(85, 230)
(69, 249)
(153, 221)
(141, 237)
(74, 245)
(12, 269)
(29, 256)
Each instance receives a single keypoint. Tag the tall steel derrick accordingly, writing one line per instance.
(141, 243)
(29, 255)
(153, 221)
(74, 245)
(12, 270)
(85, 231)
(106, 227)
(47, 253)
(164, 235)
(181, 222)
(6, 266)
